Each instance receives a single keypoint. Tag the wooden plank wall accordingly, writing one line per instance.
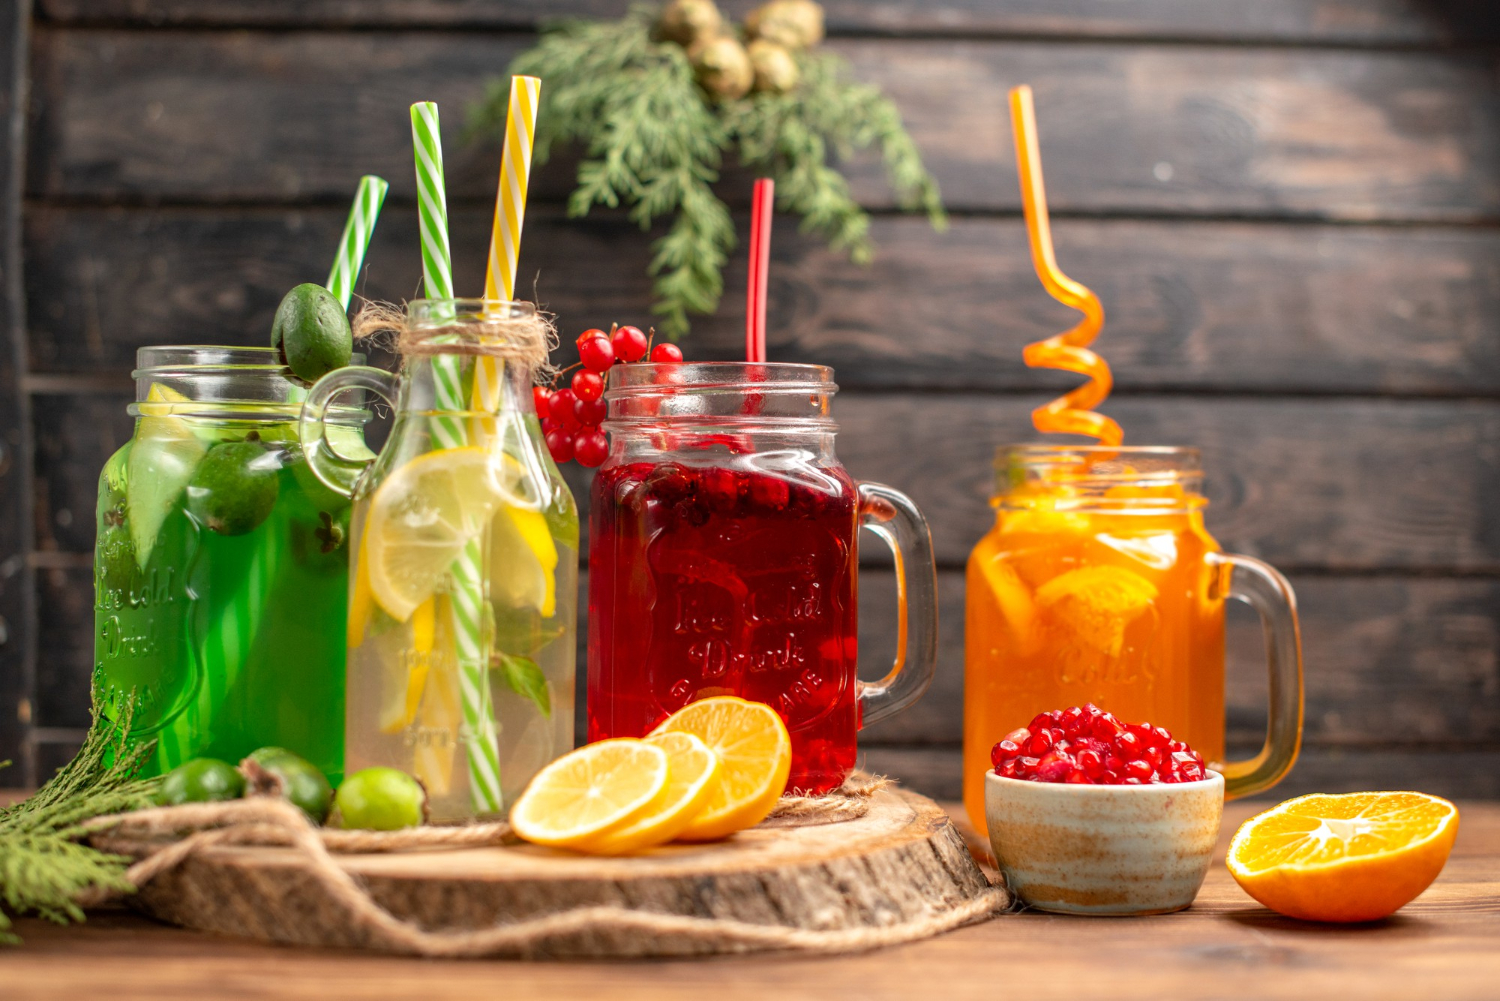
(1289, 208)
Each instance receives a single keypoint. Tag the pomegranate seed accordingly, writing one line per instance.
(630, 343)
(1039, 743)
(540, 396)
(666, 354)
(1084, 744)
(1105, 726)
(588, 385)
(1090, 762)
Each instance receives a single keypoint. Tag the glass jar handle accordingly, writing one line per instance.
(1263, 588)
(338, 471)
(891, 515)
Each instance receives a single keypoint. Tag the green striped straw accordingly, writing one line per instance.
(357, 233)
(467, 597)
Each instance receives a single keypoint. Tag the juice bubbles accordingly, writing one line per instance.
(1099, 583)
(221, 566)
(725, 580)
(723, 560)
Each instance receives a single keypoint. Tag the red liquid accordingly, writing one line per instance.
(726, 581)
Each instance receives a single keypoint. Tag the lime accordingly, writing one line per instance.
(379, 799)
(202, 780)
(275, 771)
(234, 487)
(311, 331)
(163, 456)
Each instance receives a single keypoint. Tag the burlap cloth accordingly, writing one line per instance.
(163, 838)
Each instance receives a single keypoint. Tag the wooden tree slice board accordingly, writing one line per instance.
(901, 866)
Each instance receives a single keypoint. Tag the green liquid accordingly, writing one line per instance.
(229, 643)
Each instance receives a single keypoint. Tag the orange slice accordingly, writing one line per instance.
(1096, 604)
(590, 792)
(692, 777)
(755, 758)
(1354, 857)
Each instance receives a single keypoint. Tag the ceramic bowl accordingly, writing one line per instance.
(1087, 849)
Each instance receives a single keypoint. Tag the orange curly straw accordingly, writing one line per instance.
(1068, 351)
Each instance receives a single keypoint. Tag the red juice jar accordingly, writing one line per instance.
(723, 560)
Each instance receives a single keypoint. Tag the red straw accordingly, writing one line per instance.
(760, 266)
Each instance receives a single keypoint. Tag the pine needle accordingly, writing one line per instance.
(653, 143)
(43, 864)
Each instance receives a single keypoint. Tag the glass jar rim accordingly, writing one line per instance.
(720, 395)
(220, 382)
(1090, 475)
(444, 312)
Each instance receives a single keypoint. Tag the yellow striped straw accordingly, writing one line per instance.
(510, 211)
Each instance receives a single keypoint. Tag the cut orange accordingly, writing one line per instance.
(692, 777)
(1097, 603)
(755, 759)
(1353, 857)
(590, 792)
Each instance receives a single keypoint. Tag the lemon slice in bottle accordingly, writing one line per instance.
(523, 562)
(1096, 604)
(421, 518)
(163, 457)
(406, 678)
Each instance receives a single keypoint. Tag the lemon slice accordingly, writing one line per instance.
(590, 792)
(438, 714)
(421, 518)
(755, 758)
(163, 457)
(523, 561)
(407, 677)
(692, 776)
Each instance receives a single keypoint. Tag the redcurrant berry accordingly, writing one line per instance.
(594, 351)
(564, 409)
(590, 447)
(540, 396)
(587, 385)
(630, 343)
(590, 413)
(666, 354)
(560, 444)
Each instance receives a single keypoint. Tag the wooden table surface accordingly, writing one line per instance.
(1446, 944)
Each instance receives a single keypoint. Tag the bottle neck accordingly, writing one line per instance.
(473, 384)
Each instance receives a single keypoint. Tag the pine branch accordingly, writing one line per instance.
(43, 865)
(653, 142)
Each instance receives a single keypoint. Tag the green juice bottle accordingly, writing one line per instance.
(221, 566)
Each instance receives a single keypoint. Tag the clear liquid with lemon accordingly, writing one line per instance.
(415, 513)
(1112, 601)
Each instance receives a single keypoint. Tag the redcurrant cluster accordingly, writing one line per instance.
(1086, 745)
(571, 416)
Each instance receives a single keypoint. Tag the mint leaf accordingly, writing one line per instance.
(526, 680)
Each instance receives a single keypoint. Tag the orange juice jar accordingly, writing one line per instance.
(1099, 583)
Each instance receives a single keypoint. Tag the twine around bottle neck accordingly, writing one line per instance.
(526, 339)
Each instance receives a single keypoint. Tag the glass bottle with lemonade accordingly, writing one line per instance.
(461, 626)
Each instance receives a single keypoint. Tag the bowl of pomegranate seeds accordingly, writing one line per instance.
(1089, 815)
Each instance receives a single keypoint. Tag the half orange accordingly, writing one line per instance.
(1353, 857)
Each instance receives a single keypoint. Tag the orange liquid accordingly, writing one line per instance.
(1116, 608)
